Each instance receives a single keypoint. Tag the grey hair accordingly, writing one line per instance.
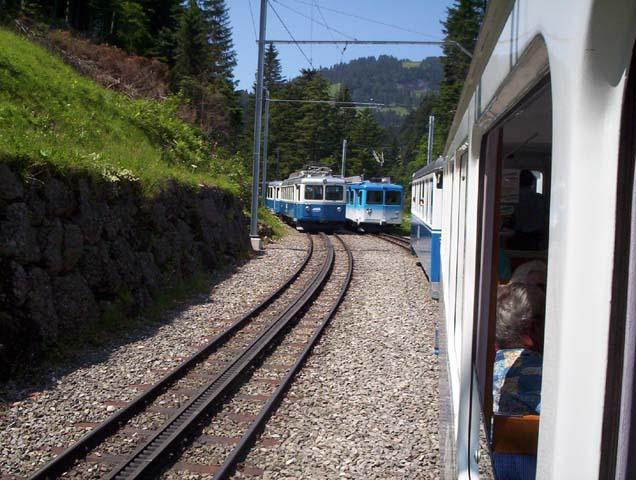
(519, 306)
(523, 271)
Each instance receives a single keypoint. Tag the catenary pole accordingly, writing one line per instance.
(344, 156)
(255, 239)
(431, 133)
(265, 139)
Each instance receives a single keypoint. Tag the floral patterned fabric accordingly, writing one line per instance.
(517, 382)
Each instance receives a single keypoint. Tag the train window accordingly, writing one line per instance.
(374, 197)
(314, 192)
(334, 193)
(511, 281)
(392, 197)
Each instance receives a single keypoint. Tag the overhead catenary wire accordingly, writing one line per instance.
(375, 42)
(290, 34)
(329, 30)
(330, 102)
(313, 20)
(249, 2)
(366, 19)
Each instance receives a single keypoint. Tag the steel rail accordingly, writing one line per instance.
(395, 240)
(108, 427)
(152, 454)
(247, 440)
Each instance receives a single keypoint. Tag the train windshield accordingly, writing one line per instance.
(392, 197)
(374, 197)
(313, 192)
(334, 192)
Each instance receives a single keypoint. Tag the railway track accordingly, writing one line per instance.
(158, 427)
(396, 240)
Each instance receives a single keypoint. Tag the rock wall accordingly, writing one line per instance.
(74, 247)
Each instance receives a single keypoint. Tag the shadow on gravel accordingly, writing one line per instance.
(92, 348)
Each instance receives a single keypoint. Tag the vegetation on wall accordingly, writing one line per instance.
(51, 114)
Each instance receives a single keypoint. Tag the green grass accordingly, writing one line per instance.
(405, 227)
(274, 224)
(334, 90)
(51, 114)
(410, 64)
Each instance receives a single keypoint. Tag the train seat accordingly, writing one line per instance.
(514, 446)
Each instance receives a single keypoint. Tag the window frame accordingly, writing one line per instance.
(342, 190)
(381, 202)
(392, 192)
(311, 186)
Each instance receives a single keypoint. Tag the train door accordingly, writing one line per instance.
(510, 287)
(460, 242)
(449, 279)
(618, 455)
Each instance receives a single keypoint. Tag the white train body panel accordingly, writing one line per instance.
(586, 48)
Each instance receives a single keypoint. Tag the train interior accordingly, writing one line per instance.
(513, 282)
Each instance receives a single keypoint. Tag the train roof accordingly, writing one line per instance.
(275, 183)
(433, 167)
(370, 185)
(313, 174)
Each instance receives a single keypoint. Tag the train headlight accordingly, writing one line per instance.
(306, 208)
(338, 209)
(369, 211)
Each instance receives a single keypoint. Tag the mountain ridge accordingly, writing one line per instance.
(398, 83)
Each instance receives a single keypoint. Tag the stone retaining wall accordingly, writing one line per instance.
(73, 247)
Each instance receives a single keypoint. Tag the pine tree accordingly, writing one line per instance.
(272, 71)
(193, 53)
(366, 136)
(219, 37)
(131, 27)
(461, 25)
(163, 24)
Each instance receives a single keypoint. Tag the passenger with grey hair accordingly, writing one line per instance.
(534, 272)
(519, 342)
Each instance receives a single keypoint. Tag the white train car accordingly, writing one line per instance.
(426, 220)
(548, 110)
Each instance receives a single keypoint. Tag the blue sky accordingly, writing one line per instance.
(421, 17)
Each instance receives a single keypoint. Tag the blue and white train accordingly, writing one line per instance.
(272, 198)
(426, 220)
(310, 198)
(540, 163)
(376, 203)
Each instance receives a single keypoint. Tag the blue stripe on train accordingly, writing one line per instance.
(426, 245)
(316, 213)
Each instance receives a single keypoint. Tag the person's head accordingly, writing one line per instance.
(527, 180)
(534, 272)
(520, 315)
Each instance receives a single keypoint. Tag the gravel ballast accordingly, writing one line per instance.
(365, 405)
(37, 421)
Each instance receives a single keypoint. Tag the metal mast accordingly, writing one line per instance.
(255, 239)
(265, 135)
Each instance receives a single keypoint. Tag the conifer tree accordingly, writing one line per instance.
(219, 38)
(193, 53)
(163, 24)
(272, 71)
(462, 25)
(365, 137)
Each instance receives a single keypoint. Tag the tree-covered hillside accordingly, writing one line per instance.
(386, 79)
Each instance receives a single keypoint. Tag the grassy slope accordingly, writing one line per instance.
(49, 113)
(410, 64)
